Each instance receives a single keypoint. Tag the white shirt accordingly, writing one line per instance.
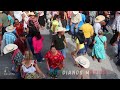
(25, 20)
(96, 27)
(30, 69)
(76, 18)
(18, 15)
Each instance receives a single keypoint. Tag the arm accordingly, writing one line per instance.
(65, 43)
(47, 64)
(92, 31)
(65, 16)
(105, 45)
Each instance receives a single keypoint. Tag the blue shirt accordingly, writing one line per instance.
(83, 20)
(9, 38)
(11, 20)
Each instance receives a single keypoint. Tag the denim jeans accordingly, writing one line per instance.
(39, 56)
(53, 72)
(29, 39)
(73, 32)
(88, 43)
(81, 51)
(63, 51)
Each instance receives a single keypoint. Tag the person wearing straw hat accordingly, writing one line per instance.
(8, 37)
(99, 22)
(34, 19)
(17, 57)
(59, 40)
(100, 44)
(84, 65)
(75, 20)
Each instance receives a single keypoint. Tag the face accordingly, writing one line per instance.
(62, 33)
(103, 23)
(16, 22)
(53, 50)
(57, 19)
(32, 16)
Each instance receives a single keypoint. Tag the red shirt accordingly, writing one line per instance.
(54, 60)
(19, 28)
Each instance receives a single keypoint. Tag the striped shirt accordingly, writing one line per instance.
(35, 21)
(9, 38)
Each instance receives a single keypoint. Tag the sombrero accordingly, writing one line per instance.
(10, 28)
(9, 48)
(99, 18)
(61, 29)
(83, 61)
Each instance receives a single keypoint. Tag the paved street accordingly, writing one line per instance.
(108, 65)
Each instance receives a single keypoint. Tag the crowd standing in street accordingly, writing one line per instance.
(20, 36)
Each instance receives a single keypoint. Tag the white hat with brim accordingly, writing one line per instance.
(118, 11)
(10, 28)
(99, 18)
(1, 11)
(9, 48)
(83, 61)
(31, 14)
(75, 12)
(61, 29)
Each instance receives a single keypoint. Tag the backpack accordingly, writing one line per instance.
(80, 36)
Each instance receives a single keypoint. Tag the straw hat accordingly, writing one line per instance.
(75, 12)
(83, 61)
(9, 48)
(10, 28)
(61, 29)
(31, 14)
(99, 18)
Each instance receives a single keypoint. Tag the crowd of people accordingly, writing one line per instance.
(20, 36)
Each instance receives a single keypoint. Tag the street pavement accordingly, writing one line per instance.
(107, 67)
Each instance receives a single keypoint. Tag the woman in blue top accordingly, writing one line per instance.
(83, 19)
(98, 51)
(11, 18)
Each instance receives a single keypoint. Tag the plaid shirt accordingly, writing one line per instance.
(9, 38)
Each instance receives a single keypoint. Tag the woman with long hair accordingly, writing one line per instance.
(29, 68)
(38, 45)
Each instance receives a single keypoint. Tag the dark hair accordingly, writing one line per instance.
(16, 19)
(23, 34)
(87, 20)
(55, 17)
(80, 36)
(37, 35)
(52, 47)
(31, 23)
